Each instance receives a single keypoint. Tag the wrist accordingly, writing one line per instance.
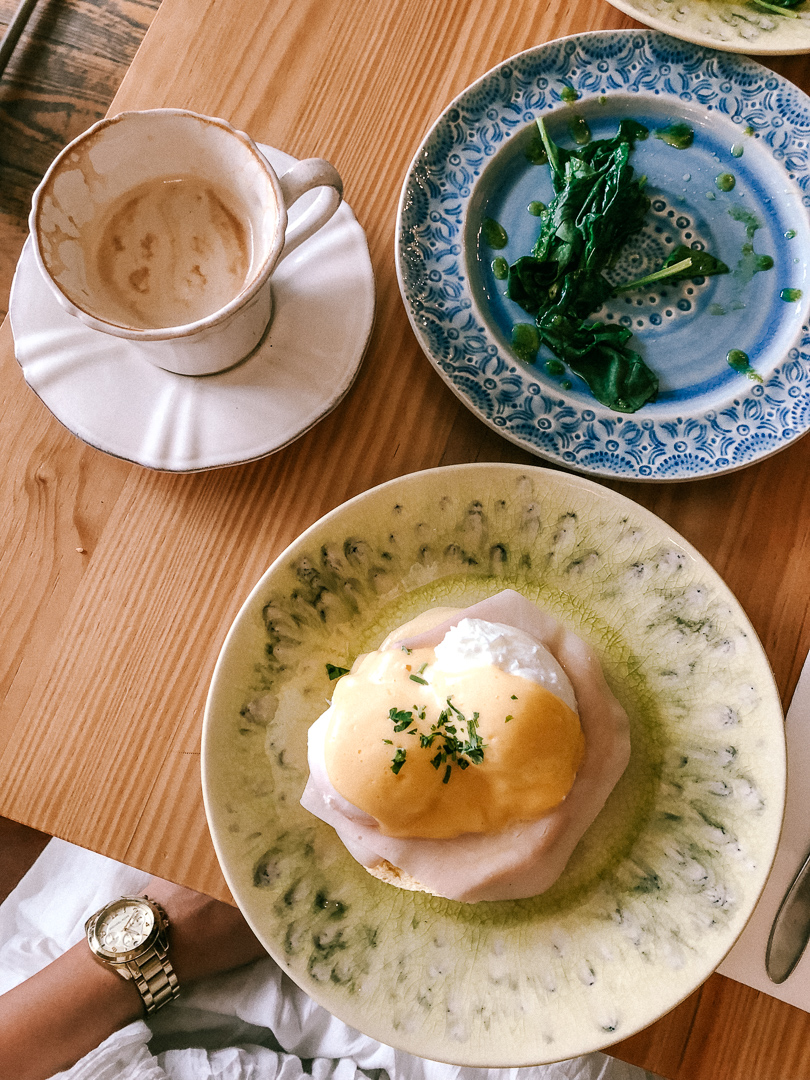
(129, 937)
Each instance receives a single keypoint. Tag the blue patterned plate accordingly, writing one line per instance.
(474, 164)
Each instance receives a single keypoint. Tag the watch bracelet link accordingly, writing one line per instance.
(154, 977)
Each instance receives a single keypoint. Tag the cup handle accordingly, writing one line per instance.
(302, 177)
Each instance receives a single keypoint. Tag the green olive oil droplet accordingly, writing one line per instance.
(569, 95)
(555, 367)
(725, 181)
(764, 262)
(500, 268)
(535, 151)
(536, 208)
(748, 130)
(526, 341)
(681, 136)
(566, 384)
(494, 234)
(580, 132)
(789, 295)
(741, 363)
(789, 235)
(737, 150)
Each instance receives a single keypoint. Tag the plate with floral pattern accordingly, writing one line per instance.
(745, 27)
(729, 350)
(658, 888)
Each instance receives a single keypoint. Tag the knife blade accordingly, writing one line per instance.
(791, 927)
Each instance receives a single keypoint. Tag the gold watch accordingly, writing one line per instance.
(129, 936)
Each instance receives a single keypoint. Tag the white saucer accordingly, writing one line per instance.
(117, 402)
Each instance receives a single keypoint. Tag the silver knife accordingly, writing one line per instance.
(791, 928)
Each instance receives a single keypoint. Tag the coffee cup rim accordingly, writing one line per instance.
(181, 330)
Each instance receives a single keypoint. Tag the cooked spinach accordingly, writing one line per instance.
(598, 205)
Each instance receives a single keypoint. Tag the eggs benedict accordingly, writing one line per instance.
(469, 753)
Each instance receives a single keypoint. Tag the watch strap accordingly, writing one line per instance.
(154, 976)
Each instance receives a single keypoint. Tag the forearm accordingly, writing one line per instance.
(66, 1010)
(60, 1014)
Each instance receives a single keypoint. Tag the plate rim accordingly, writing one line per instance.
(299, 543)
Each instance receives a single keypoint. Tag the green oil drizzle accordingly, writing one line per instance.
(748, 130)
(500, 268)
(751, 221)
(580, 132)
(602, 99)
(789, 295)
(566, 384)
(790, 234)
(750, 263)
(718, 309)
(525, 341)
(737, 150)
(681, 136)
(535, 151)
(725, 181)
(741, 363)
(494, 234)
(569, 95)
(536, 208)
(555, 367)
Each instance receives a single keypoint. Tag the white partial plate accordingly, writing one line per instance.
(116, 401)
(659, 887)
(747, 121)
(724, 24)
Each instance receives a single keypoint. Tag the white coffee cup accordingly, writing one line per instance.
(164, 227)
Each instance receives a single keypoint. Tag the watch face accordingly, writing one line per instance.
(124, 926)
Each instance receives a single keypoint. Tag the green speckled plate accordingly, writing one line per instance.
(724, 24)
(661, 884)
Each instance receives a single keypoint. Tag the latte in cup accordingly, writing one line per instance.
(170, 252)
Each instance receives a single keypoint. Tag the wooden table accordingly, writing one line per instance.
(119, 584)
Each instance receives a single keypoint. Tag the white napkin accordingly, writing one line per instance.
(251, 1024)
(746, 961)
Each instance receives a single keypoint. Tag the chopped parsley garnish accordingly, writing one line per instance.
(334, 672)
(402, 718)
(452, 748)
(419, 679)
(514, 697)
(398, 760)
(510, 717)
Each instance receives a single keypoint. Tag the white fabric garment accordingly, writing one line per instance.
(251, 1024)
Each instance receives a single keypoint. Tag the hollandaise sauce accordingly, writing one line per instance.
(436, 753)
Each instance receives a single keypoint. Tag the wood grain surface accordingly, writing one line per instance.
(119, 584)
(61, 78)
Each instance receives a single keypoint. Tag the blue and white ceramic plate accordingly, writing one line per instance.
(748, 124)
(661, 884)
